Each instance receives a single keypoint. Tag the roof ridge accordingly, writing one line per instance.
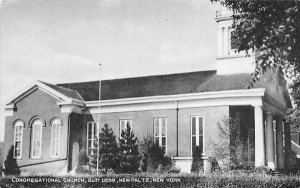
(56, 87)
(147, 76)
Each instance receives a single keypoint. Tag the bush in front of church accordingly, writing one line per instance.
(10, 164)
(129, 156)
(154, 158)
(197, 164)
(228, 150)
(108, 151)
(82, 166)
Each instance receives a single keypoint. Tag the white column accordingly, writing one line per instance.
(225, 41)
(220, 42)
(259, 137)
(270, 154)
(279, 144)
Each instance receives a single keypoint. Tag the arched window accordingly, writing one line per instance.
(18, 137)
(36, 138)
(55, 137)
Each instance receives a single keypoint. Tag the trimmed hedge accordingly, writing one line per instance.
(139, 180)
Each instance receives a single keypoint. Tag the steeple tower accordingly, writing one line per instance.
(228, 60)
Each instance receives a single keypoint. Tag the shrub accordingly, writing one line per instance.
(228, 151)
(197, 164)
(154, 158)
(144, 147)
(215, 167)
(10, 164)
(129, 157)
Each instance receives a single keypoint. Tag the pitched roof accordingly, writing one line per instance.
(225, 82)
(73, 94)
(191, 82)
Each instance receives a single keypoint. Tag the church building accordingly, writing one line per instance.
(47, 125)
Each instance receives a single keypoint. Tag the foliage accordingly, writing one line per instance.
(82, 166)
(215, 167)
(129, 157)
(10, 164)
(293, 118)
(144, 147)
(271, 29)
(0, 160)
(108, 152)
(158, 161)
(108, 149)
(228, 150)
(234, 179)
(197, 164)
(154, 158)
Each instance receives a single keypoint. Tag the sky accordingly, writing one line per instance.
(64, 40)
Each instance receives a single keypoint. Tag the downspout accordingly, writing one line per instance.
(177, 109)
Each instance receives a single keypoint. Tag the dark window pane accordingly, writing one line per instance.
(201, 143)
(193, 125)
(163, 141)
(200, 125)
(193, 143)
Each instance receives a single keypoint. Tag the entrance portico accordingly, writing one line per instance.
(269, 149)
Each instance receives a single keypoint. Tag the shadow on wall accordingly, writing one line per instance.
(10, 164)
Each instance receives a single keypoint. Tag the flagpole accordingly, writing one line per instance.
(98, 126)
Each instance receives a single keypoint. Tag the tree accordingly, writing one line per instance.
(10, 164)
(271, 29)
(108, 150)
(129, 157)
